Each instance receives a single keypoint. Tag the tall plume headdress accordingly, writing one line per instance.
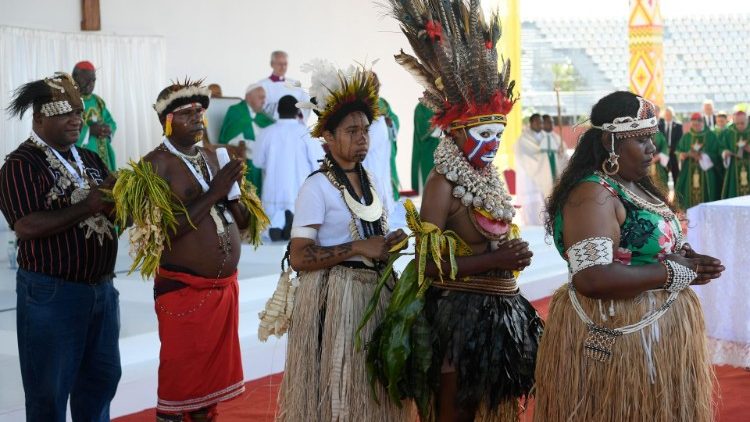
(335, 93)
(456, 61)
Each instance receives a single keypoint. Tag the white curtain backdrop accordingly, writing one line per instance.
(131, 72)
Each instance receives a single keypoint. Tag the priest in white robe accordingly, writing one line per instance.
(278, 85)
(287, 155)
(540, 159)
(378, 161)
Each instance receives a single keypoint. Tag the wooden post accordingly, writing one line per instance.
(90, 16)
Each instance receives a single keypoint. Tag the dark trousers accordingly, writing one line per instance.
(68, 346)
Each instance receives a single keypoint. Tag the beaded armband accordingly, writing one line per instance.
(678, 276)
(588, 253)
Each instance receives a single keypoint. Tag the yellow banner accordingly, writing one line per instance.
(510, 48)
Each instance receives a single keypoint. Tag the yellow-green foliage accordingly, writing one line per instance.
(144, 198)
(258, 218)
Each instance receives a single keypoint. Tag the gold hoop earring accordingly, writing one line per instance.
(613, 163)
(612, 160)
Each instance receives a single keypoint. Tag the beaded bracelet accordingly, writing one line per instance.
(678, 276)
(669, 277)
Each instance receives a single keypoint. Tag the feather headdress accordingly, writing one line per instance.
(335, 93)
(181, 93)
(456, 60)
(52, 96)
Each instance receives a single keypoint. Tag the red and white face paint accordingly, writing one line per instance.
(481, 144)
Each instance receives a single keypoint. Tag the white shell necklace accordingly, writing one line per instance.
(481, 189)
(96, 224)
(76, 177)
(221, 232)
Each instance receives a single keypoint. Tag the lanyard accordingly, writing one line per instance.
(78, 176)
(198, 175)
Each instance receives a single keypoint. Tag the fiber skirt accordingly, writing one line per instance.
(325, 376)
(659, 374)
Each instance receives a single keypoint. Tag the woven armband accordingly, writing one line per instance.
(304, 232)
(678, 276)
(588, 253)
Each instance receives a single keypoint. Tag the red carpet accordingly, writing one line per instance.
(259, 401)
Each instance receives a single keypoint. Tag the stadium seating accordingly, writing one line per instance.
(704, 58)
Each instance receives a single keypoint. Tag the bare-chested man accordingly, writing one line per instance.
(195, 287)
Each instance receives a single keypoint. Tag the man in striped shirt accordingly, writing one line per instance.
(67, 309)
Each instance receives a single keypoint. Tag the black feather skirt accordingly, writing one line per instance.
(490, 341)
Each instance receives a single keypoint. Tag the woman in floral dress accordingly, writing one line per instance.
(625, 338)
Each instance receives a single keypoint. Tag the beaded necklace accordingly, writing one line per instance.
(370, 226)
(96, 224)
(480, 188)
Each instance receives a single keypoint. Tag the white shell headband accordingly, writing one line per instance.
(184, 92)
(644, 124)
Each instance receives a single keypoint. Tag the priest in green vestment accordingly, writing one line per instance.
(698, 152)
(391, 120)
(659, 167)
(242, 124)
(735, 146)
(722, 121)
(98, 126)
(426, 139)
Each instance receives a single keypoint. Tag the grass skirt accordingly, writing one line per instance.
(325, 377)
(672, 383)
(491, 342)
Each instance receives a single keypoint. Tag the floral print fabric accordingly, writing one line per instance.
(645, 236)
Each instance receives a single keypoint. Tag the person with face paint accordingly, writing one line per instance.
(98, 125)
(467, 349)
(699, 153)
(626, 329)
(339, 242)
(540, 160)
(190, 213)
(51, 194)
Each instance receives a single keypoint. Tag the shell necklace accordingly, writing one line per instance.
(481, 189)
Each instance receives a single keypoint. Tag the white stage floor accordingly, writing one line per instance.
(139, 343)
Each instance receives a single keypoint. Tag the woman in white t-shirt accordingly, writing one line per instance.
(339, 241)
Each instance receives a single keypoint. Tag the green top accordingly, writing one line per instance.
(238, 121)
(648, 233)
(423, 147)
(659, 172)
(95, 111)
(387, 111)
(736, 178)
(695, 185)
